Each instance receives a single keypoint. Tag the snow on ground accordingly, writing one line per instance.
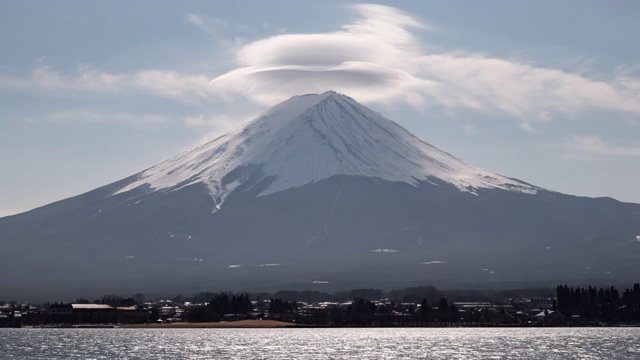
(310, 138)
(387, 251)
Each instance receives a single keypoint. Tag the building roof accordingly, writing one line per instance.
(91, 307)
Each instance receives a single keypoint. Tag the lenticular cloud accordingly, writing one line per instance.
(364, 59)
(377, 58)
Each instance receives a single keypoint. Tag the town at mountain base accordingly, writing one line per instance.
(423, 306)
(318, 193)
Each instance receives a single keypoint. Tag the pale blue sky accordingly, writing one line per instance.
(544, 91)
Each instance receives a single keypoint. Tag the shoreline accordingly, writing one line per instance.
(240, 324)
(274, 324)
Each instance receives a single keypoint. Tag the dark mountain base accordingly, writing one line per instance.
(340, 233)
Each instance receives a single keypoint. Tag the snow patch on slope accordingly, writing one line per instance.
(313, 137)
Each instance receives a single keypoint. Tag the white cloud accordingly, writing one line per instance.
(363, 60)
(171, 84)
(210, 26)
(216, 124)
(216, 28)
(103, 117)
(219, 122)
(527, 127)
(586, 146)
(376, 58)
(195, 120)
(45, 80)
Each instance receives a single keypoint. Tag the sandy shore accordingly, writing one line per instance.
(223, 324)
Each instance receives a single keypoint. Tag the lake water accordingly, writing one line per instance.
(343, 343)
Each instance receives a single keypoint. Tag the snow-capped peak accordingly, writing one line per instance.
(309, 138)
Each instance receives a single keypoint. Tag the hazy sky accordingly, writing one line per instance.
(92, 92)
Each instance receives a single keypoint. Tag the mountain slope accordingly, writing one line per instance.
(313, 137)
(318, 189)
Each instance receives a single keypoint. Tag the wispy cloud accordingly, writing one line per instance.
(208, 25)
(218, 29)
(586, 146)
(220, 122)
(93, 116)
(48, 81)
(216, 124)
(377, 58)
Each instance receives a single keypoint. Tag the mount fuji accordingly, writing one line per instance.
(310, 138)
(323, 193)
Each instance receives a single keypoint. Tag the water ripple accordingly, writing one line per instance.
(344, 343)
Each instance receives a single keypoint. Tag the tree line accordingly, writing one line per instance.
(357, 312)
(218, 306)
(600, 304)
